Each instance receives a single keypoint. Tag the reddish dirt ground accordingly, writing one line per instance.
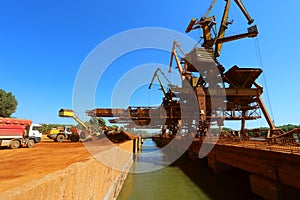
(19, 166)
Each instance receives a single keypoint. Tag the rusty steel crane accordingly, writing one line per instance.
(156, 75)
(220, 95)
(242, 93)
(207, 24)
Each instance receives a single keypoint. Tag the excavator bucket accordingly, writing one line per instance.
(66, 113)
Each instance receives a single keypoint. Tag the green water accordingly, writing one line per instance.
(184, 180)
(169, 183)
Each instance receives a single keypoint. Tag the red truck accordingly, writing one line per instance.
(15, 133)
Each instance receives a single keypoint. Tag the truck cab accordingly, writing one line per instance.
(35, 132)
(16, 133)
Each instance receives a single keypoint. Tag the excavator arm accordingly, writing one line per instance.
(70, 113)
(84, 135)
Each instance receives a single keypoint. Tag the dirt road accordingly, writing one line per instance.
(19, 166)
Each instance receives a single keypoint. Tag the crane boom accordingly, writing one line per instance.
(223, 27)
(174, 54)
(210, 8)
(207, 23)
(155, 75)
(243, 9)
(252, 32)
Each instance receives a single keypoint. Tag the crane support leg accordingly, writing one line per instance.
(266, 114)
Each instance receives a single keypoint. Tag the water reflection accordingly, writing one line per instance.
(184, 179)
(167, 183)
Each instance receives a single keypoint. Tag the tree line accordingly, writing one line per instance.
(285, 128)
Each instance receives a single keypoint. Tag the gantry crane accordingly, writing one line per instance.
(169, 104)
(205, 78)
(200, 66)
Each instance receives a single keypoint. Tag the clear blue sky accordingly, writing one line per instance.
(43, 44)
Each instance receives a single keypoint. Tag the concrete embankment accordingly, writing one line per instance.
(272, 174)
(88, 179)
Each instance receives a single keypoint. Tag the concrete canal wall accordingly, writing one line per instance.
(89, 179)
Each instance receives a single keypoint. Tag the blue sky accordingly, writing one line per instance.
(44, 43)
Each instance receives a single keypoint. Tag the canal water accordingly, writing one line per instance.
(184, 179)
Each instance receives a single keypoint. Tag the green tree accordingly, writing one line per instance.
(47, 127)
(96, 123)
(8, 103)
(288, 127)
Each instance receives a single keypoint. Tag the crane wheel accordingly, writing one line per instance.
(60, 138)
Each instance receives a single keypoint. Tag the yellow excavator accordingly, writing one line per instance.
(84, 134)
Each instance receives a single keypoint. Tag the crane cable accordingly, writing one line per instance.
(149, 97)
(259, 58)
